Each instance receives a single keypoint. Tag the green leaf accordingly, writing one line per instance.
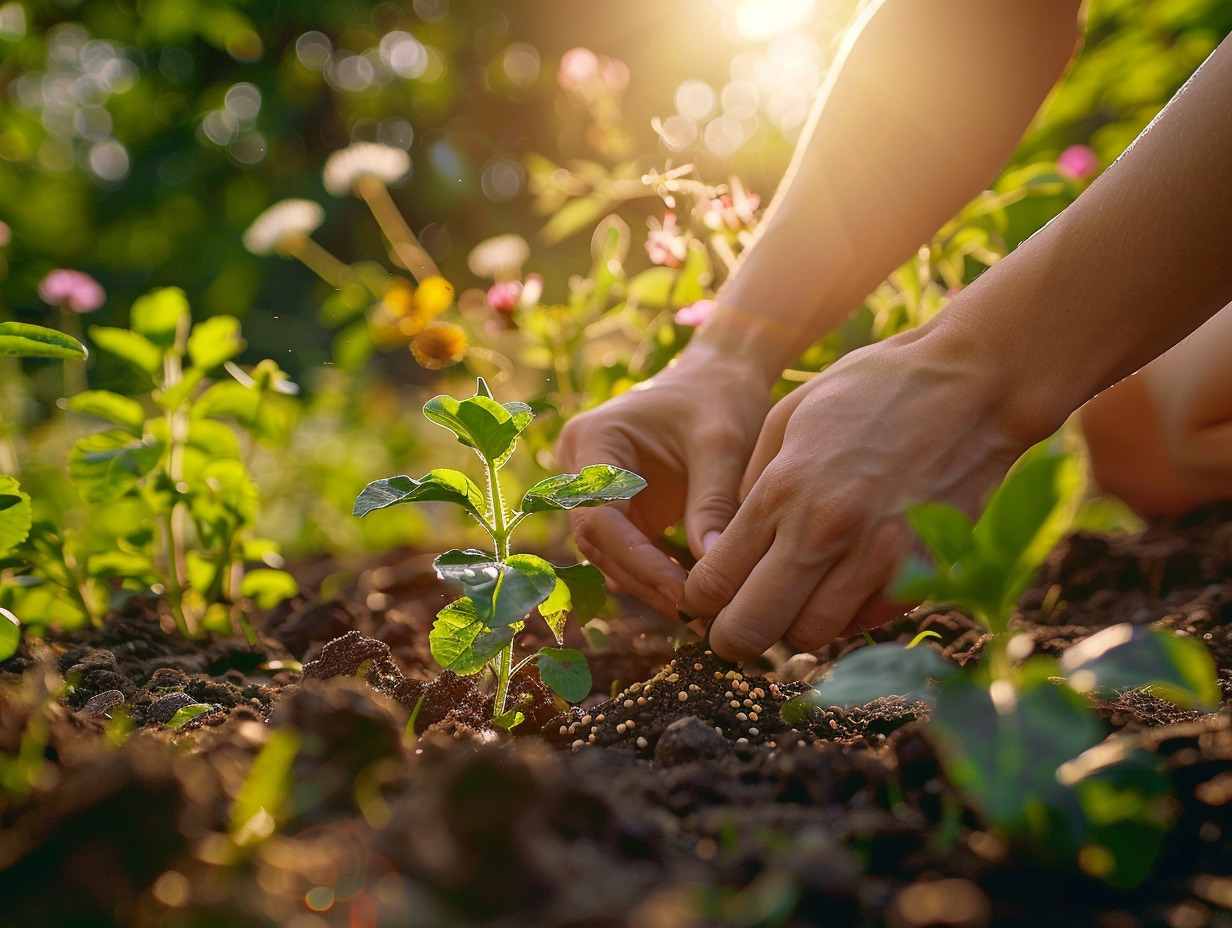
(186, 714)
(214, 341)
(441, 485)
(509, 719)
(106, 465)
(265, 793)
(136, 349)
(1132, 657)
(555, 609)
(694, 278)
(16, 515)
(651, 288)
(461, 642)
(10, 634)
(267, 587)
(573, 216)
(566, 673)
(23, 340)
(481, 423)
(502, 594)
(123, 411)
(595, 485)
(944, 529)
(586, 589)
(1005, 757)
(883, 670)
(159, 314)
(231, 399)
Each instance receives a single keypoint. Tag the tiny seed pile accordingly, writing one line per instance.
(743, 708)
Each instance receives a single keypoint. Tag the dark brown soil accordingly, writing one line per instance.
(677, 795)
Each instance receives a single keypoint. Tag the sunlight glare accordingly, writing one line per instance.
(760, 19)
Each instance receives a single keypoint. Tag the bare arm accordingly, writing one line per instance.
(1141, 259)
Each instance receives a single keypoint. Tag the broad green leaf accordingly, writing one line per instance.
(1005, 757)
(566, 673)
(441, 485)
(123, 411)
(694, 277)
(267, 587)
(108, 464)
(1132, 657)
(16, 515)
(944, 529)
(186, 714)
(481, 423)
(454, 635)
(595, 485)
(509, 719)
(501, 593)
(214, 341)
(577, 214)
(10, 634)
(159, 314)
(231, 399)
(586, 589)
(883, 670)
(24, 340)
(136, 349)
(179, 393)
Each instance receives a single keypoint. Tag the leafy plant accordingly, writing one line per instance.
(478, 630)
(1018, 736)
(171, 492)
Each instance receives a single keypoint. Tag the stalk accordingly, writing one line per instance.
(177, 426)
(500, 537)
(406, 248)
(330, 269)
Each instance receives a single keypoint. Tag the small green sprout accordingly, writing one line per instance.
(478, 630)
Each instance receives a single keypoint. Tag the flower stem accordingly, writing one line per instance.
(407, 251)
(333, 271)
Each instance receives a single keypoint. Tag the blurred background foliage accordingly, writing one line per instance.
(140, 138)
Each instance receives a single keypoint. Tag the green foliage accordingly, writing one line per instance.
(22, 340)
(1022, 741)
(985, 566)
(172, 504)
(501, 589)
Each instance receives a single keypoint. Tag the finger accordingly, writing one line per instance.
(878, 609)
(612, 543)
(769, 442)
(843, 592)
(715, 579)
(711, 501)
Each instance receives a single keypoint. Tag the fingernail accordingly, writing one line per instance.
(709, 539)
(684, 616)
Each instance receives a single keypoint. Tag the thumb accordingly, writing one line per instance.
(711, 502)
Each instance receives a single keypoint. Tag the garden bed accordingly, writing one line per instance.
(675, 796)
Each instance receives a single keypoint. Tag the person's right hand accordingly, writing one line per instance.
(689, 431)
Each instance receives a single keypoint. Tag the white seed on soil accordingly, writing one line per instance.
(742, 717)
(717, 675)
(564, 730)
(754, 732)
(621, 728)
(628, 703)
(742, 741)
(682, 696)
(591, 738)
(600, 717)
(697, 666)
(747, 703)
(631, 724)
(673, 677)
(735, 704)
(641, 700)
(577, 744)
(728, 695)
(753, 716)
(586, 719)
(642, 743)
(694, 688)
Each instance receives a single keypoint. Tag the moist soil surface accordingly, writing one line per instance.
(676, 795)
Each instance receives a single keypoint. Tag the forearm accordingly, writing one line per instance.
(1141, 259)
(924, 106)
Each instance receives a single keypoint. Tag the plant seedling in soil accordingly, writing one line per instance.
(1019, 737)
(502, 588)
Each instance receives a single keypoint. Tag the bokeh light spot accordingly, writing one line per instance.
(502, 179)
(695, 99)
(521, 63)
(313, 50)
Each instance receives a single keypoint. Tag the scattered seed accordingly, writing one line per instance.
(600, 717)
(586, 720)
(591, 738)
(682, 696)
(742, 717)
(628, 703)
(742, 741)
(728, 695)
(747, 703)
(717, 675)
(697, 666)
(621, 728)
(753, 716)
(641, 700)
(564, 730)
(673, 677)
(631, 724)
(735, 704)
(577, 744)
(754, 732)
(642, 743)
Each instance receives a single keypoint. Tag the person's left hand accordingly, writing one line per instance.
(820, 532)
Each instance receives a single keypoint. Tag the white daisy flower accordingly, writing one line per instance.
(280, 222)
(499, 258)
(344, 168)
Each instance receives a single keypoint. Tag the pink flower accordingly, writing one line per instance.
(1078, 162)
(665, 243)
(504, 295)
(724, 212)
(697, 313)
(72, 290)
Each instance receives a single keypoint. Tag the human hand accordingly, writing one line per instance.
(688, 431)
(820, 531)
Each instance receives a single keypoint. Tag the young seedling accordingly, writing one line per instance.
(502, 588)
(1018, 736)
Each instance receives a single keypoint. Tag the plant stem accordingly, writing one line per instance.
(334, 272)
(406, 248)
(500, 536)
(177, 436)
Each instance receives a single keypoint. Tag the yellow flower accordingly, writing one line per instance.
(439, 345)
(434, 296)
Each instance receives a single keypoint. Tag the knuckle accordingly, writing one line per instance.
(711, 588)
(739, 640)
